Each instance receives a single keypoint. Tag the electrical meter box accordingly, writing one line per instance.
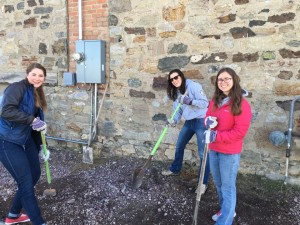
(69, 79)
(90, 61)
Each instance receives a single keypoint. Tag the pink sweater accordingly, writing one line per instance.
(231, 130)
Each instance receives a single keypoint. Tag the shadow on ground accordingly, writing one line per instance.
(101, 194)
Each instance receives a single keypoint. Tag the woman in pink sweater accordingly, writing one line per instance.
(229, 116)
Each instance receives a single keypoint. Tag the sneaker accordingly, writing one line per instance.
(168, 173)
(203, 189)
(21, 219)
(218, 214)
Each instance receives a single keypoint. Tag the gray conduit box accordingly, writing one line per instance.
(90, 61)
(69, 79)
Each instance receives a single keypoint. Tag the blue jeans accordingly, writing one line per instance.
(22, 162)
(190, 127)
(224, 169)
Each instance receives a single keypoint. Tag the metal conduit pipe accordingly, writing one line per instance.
(95, 104)
(66, 140)
(94, 133)
(289, 136)
(91, 119)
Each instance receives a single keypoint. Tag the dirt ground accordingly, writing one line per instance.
(101, 194)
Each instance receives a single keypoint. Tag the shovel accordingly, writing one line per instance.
(200, 183)
(50, 191)
(137, 177)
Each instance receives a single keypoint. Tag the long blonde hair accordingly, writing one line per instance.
(39, 95)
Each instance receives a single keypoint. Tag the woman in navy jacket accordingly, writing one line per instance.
(21, 121)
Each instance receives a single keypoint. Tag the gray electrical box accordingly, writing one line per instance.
(69, 79)
(90, 61)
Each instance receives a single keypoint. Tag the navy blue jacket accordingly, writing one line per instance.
(17, 113)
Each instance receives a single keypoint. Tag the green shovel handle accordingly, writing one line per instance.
(164, 131)
(46, 163)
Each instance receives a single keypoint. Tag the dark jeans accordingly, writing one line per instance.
(190, 127)
(24, 166)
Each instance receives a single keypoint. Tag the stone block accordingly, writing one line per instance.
(285, 75)
(241, 2)
(160, 83)
(286, 53)
(247, 57)
(42, 10)
(31, 22)
(264, 31)
(253, 23)
(174, 13)
(177, 48)
(294, 43)
(282, 88)
(8, 8)
(139, 39)
(241, 32)
(213, 58)
(141, 94)
(159, 116)
(282, 18)
(268, 55)
(134, 82)
(174, 62)
(135, 30)
(120, 6)
(113, 20)
(167, 34)
(31, 3)
(227, 19)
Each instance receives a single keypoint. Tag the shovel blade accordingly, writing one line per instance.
(137, 177)
(50, 192)
(87, 156)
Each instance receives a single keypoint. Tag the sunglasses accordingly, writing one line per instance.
(174, 78)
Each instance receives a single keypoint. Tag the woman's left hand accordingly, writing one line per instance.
(210, 136)
(185, 100)
(211, 122)
(38, 124)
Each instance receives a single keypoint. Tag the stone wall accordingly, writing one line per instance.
(32, 31)
(45, 31)
(260, 39)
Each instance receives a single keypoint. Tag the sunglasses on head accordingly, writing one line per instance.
(174, 78)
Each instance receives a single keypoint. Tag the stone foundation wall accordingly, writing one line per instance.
(260, 39)
(145, 39)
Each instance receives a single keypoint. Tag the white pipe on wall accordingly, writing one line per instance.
(80, 19)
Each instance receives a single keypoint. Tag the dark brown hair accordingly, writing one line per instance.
(235, 93)
(39, 95)
(171, 89)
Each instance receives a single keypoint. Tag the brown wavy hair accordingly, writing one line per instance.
(235, 93)
(39, 95)
(171, 89)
